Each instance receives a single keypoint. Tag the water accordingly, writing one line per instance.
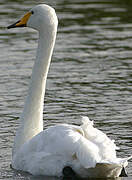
(90, 74)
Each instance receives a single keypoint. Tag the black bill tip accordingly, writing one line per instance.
(15, 25)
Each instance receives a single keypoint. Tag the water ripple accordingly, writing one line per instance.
(90, 72)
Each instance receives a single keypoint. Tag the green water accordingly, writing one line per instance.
(90, 74)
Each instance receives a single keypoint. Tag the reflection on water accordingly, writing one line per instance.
(90, 74)
(20, 175)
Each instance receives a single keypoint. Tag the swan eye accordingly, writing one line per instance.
(32, 12)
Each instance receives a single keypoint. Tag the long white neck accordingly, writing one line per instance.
(32, 116)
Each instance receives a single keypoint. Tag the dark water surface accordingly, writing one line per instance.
(90, 74)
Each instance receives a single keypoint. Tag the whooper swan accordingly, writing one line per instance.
(61, 149)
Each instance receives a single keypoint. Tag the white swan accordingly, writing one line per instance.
(87, 150)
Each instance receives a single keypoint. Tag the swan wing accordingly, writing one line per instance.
(107, 147)
(59, 146)
(55, 148)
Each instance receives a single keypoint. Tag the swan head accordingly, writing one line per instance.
(40, 18)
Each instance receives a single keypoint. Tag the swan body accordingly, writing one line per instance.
(87, 150)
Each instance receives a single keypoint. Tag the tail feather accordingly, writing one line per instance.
(107, 147)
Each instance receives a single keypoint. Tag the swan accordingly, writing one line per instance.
(63, 149)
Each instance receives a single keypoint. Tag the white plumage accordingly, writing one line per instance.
(87, 150)
(80, 147)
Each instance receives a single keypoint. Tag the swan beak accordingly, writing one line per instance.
(22, 22)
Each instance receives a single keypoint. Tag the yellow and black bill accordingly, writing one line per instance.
(22, 22)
